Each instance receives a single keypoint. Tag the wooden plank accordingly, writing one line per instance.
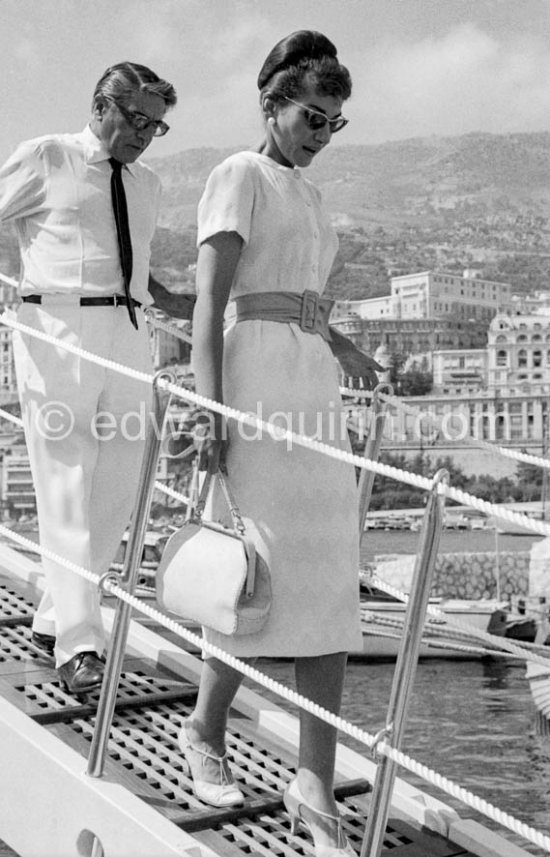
(252, 808)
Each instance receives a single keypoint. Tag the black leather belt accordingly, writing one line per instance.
(111, 300)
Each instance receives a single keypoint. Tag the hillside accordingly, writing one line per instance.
(446, 202)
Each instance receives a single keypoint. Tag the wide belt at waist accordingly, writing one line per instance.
(308, 310)
(108, 300)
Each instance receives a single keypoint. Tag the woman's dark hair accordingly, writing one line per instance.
(121, 81)
(304, 54)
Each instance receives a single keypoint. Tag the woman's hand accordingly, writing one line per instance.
(210, 439)
(358, 367)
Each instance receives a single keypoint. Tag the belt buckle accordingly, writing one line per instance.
(308, 315)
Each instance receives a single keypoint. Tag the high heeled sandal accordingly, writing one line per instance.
(220, 788)
(294, 802)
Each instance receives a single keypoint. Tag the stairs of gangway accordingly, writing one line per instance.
(149, 803)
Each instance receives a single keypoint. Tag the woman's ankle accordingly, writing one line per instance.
(198, 734)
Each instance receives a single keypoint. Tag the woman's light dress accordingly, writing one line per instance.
(303, 503)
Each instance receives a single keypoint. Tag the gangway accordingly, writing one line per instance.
(140, 803)
(144, 805)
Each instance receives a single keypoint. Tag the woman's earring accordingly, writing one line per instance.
(271, 120)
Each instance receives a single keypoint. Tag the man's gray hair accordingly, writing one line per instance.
(119, 82)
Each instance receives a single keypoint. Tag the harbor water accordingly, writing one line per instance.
(473, 722)
(382, 542)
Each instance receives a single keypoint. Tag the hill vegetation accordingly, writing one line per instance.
(449, 203)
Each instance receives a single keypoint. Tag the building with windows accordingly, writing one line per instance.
(17, 485)
(499, 394)
(425, 312)
(431, 295)
(459, 371)
(519, 352)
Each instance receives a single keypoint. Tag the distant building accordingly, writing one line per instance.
(17, 484)
(425, 312)
(419, 337)
(167, 349)
(431, 295)
(519, 352)
(461, 371)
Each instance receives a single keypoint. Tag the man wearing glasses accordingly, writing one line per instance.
(84, 208)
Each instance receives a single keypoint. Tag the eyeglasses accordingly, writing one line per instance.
(141, 122)
(317, 120)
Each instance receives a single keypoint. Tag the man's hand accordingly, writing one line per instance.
(177, 305)
(360, 369)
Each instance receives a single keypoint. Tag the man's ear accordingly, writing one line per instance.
(98, 109)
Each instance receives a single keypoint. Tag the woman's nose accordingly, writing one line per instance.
(324, 134)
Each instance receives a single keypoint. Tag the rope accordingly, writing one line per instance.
(291, 437)
(443, 783)
(361, 735)
(169, 328)
(437, 419)
(9, 280)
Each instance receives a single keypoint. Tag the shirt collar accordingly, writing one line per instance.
(95, 151)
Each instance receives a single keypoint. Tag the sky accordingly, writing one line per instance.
(419, 67)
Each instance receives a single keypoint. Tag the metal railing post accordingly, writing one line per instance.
(128, 577)
(372, 452)
(405, 668)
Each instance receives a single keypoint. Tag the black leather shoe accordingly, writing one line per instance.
(44, 642)
(82, 673)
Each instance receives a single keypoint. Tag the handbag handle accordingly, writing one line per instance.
(198, 500)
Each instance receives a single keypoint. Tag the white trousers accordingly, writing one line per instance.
(85, 428)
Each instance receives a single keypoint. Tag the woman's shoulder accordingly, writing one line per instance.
(243, 160)
(237, 168)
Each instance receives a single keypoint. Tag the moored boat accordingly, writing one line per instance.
(383, 616)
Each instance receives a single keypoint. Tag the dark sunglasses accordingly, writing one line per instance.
(317, 120)
(141, 122)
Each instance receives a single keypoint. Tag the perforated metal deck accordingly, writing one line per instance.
(143, 753)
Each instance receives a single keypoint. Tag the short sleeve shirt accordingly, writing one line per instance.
(289, 243)
(56, 190)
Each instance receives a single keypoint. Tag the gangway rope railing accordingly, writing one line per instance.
(167, 326)
(372, 741)
(457, 631)
(293, 437)
(437, 419)
(284, 434)
(358, 393)
(278, 432)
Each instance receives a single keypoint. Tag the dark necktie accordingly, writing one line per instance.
(120, 210)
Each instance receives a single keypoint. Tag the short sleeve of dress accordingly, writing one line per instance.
(227, 202)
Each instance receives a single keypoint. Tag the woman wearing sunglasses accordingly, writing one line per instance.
(267, 244)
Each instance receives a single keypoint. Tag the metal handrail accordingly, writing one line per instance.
(379, 407)
(128, 576)
(405, 667)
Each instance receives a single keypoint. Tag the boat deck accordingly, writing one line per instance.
(144, 758)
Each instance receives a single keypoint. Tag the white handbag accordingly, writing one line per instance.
(213, 574)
